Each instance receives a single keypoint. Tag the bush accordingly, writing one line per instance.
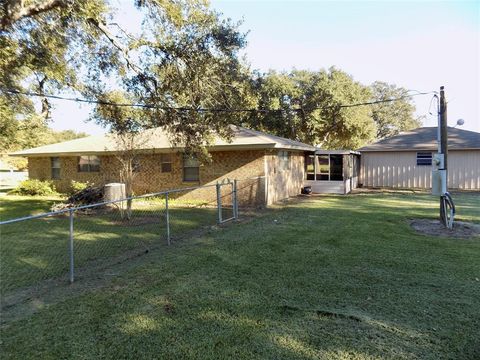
(76, 186)
(34, 187)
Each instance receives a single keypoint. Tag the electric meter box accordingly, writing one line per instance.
(438, 161)
(439, 182)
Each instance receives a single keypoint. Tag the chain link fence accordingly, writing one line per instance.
(65, 245)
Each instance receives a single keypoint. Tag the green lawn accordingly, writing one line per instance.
(331, 277)
(37, 249)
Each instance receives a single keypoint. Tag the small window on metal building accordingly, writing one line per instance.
(166, 163)
(424, 158)
(55, 161)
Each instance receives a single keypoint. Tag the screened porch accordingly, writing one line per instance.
(332, 171)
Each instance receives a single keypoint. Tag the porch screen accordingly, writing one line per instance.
(323, 167)
(329, 167)
(310, 167)
(336, 167)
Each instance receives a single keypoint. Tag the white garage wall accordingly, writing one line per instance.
(464, 170)
(400, 170)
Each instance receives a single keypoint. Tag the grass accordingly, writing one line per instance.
(37, 249)
(333, 277)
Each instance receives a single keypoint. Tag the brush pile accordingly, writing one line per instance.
(88, 196)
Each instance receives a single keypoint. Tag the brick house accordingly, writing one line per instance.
(269, 168)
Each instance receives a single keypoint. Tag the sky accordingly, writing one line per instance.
(418, 45)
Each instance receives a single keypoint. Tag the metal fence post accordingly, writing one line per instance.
(235, 200)
(167, 217)
(72, 275)
(219, 204)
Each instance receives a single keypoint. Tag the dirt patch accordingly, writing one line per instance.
(462, 230)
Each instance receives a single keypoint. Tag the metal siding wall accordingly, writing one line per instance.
(399, 170)
(464, 169)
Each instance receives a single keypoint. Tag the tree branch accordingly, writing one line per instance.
(15, 10)
(115, 43)
(130, 64)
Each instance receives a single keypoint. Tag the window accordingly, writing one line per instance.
(136, 167)
(424, 158)
(166, 163)
(336, 167)
(283, 158)
(55, 162)
(310, 167)
(191, 169)
(323, 167)
(329, 167)
(88, 163)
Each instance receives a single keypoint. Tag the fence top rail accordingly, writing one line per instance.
(83, 207)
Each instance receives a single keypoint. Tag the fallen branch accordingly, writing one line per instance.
(88, 196)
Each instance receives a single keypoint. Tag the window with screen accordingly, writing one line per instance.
(329, 167)
(424, 158)
(191, 169)
(310, 167)
(55, 162)
(166, 163)
(336, 167)
(323, 167)
(89, 163)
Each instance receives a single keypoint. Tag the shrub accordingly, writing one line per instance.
(34, 187)
(76, 186)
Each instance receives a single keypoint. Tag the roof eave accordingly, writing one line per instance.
(230, 147)
(415, 149)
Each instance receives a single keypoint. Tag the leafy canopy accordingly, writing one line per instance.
(185, 56)
(311, 112)
(392, 117)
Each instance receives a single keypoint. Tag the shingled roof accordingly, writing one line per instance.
(157, 140)
(425, 138)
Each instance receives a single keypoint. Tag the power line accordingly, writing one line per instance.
(385, 100)
(215, 110)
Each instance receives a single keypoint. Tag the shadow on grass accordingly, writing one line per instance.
(326, 277)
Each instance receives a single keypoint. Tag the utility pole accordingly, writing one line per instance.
(443, 146)
(443, 130)
(439, 162)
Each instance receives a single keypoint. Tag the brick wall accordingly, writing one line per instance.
(247, 166)
(239, 165)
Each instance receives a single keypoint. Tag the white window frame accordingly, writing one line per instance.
(90, 167)
(190, 162)
(163, 162)
(55, 166)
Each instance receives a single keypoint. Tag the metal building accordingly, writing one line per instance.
(405, 160)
